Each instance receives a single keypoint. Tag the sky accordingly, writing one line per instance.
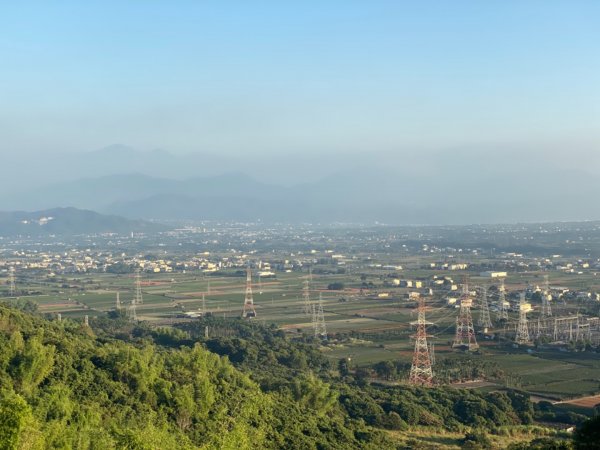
(263, 78)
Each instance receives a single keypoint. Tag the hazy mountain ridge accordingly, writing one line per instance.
(432, 188)
(98, 193)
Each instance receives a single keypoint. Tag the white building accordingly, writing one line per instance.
(492, 274)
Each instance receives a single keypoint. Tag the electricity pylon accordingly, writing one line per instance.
(248, 311)
(421, 371)
(522, 336)
(546, 308)
(307, 303)
(306, 306)
(203, 306)
(118, 302)
(139, 300)
(465, 332)
(11, 280)
(485, 320)
(538, 329)
(132, 311)
(502, 311)
(318, 319)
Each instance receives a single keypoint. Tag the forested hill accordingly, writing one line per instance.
(63, 388)
(65, 385)
(69, 221)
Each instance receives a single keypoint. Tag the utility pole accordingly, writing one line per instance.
(248, 311)
(421, 371)
(465, 332)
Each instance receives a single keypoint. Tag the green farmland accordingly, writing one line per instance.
(364, 328)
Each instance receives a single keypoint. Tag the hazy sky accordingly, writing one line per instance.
(281, 76)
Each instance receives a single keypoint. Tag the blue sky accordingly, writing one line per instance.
(261, 77)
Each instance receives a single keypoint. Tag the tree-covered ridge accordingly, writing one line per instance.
(68, 386)
(62, 388)
(116, 385)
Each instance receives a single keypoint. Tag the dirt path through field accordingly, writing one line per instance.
(585, 402)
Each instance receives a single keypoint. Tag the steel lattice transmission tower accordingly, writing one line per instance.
(203, 306)
(502, 311)
(132, 311)
(546, 308)
(307, 304)
(485, 320)
(318, 319)
(11, 281)
(118, 302)
(522, 336)
(465, 332)
(248, 311)
(421, 371)
(139, 300)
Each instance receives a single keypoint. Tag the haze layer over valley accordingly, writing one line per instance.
(487, 185)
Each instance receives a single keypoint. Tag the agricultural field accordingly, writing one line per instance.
(362, 326)
(433, 437)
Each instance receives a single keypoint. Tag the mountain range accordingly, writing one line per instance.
(451, 188)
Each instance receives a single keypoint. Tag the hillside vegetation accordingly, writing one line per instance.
(63, 387)
(116, 385)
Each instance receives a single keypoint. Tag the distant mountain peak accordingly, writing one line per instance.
(115, 150)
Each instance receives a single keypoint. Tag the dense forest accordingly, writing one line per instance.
(211, 384)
